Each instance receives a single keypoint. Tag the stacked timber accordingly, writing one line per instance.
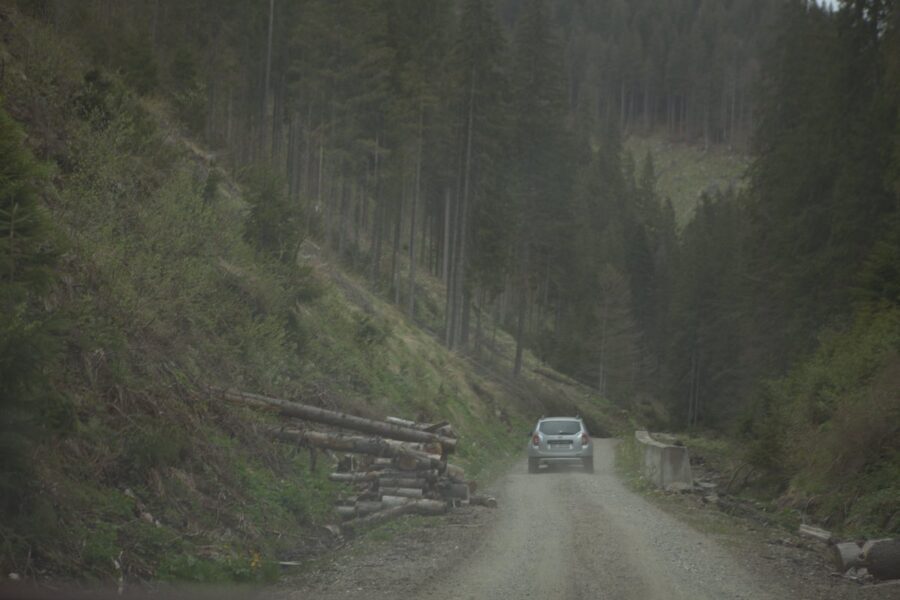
(396, 467)
(880, 558)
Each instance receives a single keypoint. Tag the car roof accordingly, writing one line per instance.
(542, 419)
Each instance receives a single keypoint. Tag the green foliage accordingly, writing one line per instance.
(193, 569)
(28, 334)
(27, 252)
(879, 278)
(637, 61)
(305, 497)
(838, 418)
(274, 225)
(183, 70)
(138, 64)
(100, 548)
(152, 445)
(369, 333)
(629, 462)
(177, 276)
(189, 91)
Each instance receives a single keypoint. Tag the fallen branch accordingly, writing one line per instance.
(394, 506)
(402, 492)
(359, 445)
(337, 419)
(440, 428)
(375, 518)
(353, 477)
(817, 533)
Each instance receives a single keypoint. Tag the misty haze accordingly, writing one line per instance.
(450, 299)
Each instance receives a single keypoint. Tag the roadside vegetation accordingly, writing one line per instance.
(136, 271)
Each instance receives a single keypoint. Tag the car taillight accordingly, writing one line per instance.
(536, 440)
(585, 439)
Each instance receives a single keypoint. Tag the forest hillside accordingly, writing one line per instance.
(137, 273)
(461, 209)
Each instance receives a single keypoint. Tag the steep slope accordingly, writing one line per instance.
(136, 474)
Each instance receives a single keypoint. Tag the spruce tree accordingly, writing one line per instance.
(28, 342)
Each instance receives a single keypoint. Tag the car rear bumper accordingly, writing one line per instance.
(548, 455)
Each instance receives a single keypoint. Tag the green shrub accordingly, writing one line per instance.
(29, 340)
(194, 569)
(100, 549)
(832, 426)
(370, 333)
(153, 445)
(274, 223)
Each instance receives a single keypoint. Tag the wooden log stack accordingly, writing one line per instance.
(398, 466)
(881, 557)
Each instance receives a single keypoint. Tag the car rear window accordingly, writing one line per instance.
(560, 427)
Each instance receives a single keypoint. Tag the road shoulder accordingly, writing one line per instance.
(768, 551)
(393, 560)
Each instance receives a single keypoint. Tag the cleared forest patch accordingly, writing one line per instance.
(686, 171)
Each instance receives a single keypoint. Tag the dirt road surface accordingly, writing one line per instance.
(567, 534)
(563, 534)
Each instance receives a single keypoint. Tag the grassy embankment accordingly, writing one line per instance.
(823, 442)
(138, 476)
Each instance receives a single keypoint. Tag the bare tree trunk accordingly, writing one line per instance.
(520, 329)
(154, 35)
(452, 245)
(265, 108)
(411, 301)
(290, 161)
(377, 221)
(460, 269)
(445, 267)
(356, 216)
(374, 446)
(319, 182)
(601, 366)
(342, 213)
(647, 108)
(426, 239)
(478, 330)
(694, 393)
(464, 321)
(706, 133)
(337, 419)
(395, 269)
(731, 119)
(229, 118)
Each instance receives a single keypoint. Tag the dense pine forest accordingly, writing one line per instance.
(481, 146)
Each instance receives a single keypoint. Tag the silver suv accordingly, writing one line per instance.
(560, 439)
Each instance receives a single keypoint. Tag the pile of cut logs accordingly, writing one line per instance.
(398, 467)
(879, 558)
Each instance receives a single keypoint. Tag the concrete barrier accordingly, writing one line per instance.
(667, 466)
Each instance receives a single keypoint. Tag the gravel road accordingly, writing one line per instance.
(566, 534)
(563, 534)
